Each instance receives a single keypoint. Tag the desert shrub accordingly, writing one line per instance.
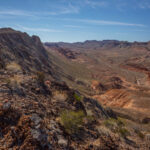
(77, 97)
(117, 126)
(72, 120)
(14, 85)
(124, 132)
(13, 67)
(90, 118)
(121, 122)
(111, 124)
(103, 131)
(40, 77)
(139, 133)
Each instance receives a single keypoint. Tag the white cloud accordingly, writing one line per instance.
(69, 9)
(73, 26)
(94, 4)
(119, 33)
(16, 13)
(141, 31)
(144, 5)
(103, 22)
(38, 29)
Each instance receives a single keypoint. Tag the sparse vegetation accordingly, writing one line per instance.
(13, 67)
(40, 77)
(121, 122)
(111, 124)
(117, 126)
(14, 81)
(123, 132)
(103, 131)
(60, 95)
(78, 97)
(139, 133)
(72, 120)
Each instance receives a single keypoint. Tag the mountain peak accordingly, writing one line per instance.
(4, 30)
(17, 46)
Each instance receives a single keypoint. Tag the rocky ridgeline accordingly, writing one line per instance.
(26, 51)
(63, 51)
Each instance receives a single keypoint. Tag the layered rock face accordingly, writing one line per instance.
(26, 51)
(63, 51)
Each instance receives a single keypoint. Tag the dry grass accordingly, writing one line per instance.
(104, 131)
(14, 81)
(60, 96)
(13, 67)
(40, 76)
(117, 126)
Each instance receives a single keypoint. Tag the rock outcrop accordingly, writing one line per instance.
(26, 51)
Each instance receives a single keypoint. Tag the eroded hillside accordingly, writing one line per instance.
(115, 73)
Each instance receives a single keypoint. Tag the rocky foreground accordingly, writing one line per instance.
(38, 112)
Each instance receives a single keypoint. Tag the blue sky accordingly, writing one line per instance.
(78, 20)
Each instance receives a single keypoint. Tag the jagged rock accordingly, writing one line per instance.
(40, 137)
(63, 51)
(146, 120)
(17, 46)
(62, 141)
(111, 113)
(95, 107)
(6, 106)
(53, 127)
(36, 119)
(36, 134)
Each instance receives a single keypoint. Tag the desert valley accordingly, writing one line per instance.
(92, 95)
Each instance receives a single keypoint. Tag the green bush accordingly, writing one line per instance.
(72, 120)
(124, 132)
(117, 126)
(111, 124)
(121, 122)
(77, 97)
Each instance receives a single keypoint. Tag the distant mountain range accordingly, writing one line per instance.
(93, 44)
